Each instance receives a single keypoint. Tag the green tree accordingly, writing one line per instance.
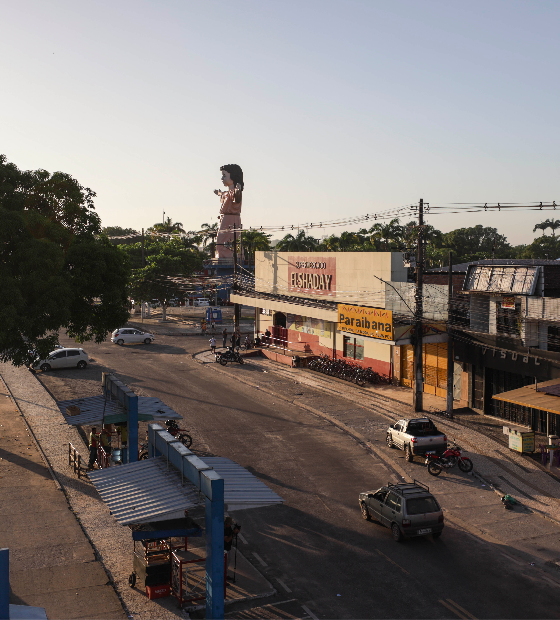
(542, 226)
(118, 231)
(55, 272)
(168, 227)
(168, 263)
(209, 233)
(300, 243)
(542, 247)
(254, 241)
(476, 243)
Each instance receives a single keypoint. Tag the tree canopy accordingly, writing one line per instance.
(55, 271)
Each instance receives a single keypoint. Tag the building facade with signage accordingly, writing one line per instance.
(507, 335)
(356, 306)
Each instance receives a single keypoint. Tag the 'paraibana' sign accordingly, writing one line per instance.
(364, 321)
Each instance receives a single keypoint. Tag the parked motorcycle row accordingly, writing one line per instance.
(436, 463)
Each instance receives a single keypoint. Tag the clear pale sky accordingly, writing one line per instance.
(331, 108)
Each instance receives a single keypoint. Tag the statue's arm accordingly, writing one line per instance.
(237, 193)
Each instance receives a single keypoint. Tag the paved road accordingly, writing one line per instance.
(316, 548)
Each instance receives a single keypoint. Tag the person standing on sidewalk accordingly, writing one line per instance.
(93, 440)
(224, 338)
(213, 345)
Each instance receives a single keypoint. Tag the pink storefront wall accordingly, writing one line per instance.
(300, 341)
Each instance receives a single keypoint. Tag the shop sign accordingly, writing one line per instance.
(364, 321)
(317, 276)
(508, 303)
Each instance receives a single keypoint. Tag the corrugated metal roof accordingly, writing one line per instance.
(91, 410)
(242, 489)
(501, 279)
(145, 491)
(149, 491)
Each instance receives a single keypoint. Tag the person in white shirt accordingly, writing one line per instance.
(213, 345)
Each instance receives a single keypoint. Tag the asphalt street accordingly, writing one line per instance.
(316, 548)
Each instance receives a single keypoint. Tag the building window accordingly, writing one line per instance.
(353, 348)
(554, 339)
(508, 321)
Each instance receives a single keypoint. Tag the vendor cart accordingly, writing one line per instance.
(154, 542)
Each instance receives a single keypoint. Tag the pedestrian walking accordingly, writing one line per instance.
(213, 344)
(203, 326)
(224, 337)
(105, 439)
(213, 326)
(93, 441)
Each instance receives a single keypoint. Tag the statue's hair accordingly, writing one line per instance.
(235, 173)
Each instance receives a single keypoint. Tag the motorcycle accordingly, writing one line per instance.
(231, 355)
(181, 434)
(452, 456)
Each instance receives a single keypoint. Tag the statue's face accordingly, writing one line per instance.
(226, 179)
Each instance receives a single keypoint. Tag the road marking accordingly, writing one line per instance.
(392, 562)
(283, 585)
(309, 613)
(453, 606)
(243, 539)
(512, 559)
(262, 562)
(551, 581)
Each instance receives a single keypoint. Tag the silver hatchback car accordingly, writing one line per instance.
(408, 509)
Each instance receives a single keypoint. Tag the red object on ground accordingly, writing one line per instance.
(158, 591)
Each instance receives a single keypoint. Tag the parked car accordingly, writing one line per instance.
(63, 358)
(416, 437)
(408, 509)
(127, 335)
(201, 301)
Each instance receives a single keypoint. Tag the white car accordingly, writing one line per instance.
(125, 335)
(63, 358)
(201, 301)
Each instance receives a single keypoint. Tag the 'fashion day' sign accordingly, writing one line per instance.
(364, 321)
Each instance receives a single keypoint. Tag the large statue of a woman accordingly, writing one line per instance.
(230, 212)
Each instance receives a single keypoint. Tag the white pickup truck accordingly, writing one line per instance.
(416, 437)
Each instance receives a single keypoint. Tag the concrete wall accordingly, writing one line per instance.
(355, 282)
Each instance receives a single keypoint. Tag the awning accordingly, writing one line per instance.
(91, 410)
(145, 491)
(148, 491)
(529, 397)
(286, 307)
(242, 489)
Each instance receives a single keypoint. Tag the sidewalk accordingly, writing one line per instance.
(472, 501)
(53, 564)
(191, 327)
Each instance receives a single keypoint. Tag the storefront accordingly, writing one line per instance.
(328, 304)
(494, 370)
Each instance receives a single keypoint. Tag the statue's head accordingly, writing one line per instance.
(234, 172)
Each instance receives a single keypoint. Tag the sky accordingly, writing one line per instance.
(332, 109)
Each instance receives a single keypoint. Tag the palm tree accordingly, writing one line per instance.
(390, 234)
(168, 227)
(254, 240)
(554, 225)
(542, 226)
(300, 243)
(209, 234)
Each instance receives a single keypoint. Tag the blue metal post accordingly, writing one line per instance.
(5, 584)
(213, 488)
(132, 419)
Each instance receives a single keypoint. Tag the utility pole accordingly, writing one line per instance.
(418, 342)
(143, 263)
(450, 361)
(236, 307)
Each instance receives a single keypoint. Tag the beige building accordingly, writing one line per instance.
(352, 305)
